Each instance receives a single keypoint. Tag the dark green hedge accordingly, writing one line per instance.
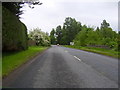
(14, 32)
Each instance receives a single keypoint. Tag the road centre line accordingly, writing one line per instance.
(74, 56)
(77, 58)
(66, 51)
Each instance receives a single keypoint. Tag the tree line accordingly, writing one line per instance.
(83, 35)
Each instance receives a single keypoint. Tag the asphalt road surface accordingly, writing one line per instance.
(60, 67)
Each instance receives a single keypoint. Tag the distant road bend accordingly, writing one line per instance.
(60, 67)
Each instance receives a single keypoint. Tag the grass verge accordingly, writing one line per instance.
(13, 60)
(102, 51)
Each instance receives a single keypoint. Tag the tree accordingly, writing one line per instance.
(118, 41)
(59, 34)
(40, 37)
(108, 36)
(80, 39)
(52, 37)
(64, 35)
(70, 28)
(87, 36)
(104, 36)
(104, 24)
(92, 37)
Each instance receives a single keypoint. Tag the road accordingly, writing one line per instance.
(61, 67)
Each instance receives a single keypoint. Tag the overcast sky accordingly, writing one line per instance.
(53, 13)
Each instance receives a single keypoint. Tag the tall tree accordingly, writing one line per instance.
(52, 37)
(59, 34)
(108, 36)
(70, 28)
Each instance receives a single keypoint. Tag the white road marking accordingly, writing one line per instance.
(66, 51)
(77, 58)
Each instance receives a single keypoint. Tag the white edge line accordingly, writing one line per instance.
(77, 58)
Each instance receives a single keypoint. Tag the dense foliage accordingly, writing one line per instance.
(41, 38)
(52, 37)
(104, 36)
(82, 35)
(13, 7)
(14, 32)
(64, 35)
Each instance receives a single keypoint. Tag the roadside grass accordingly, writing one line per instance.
(12, 60)
(107, 52)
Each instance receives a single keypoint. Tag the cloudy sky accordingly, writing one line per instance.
(53, 13)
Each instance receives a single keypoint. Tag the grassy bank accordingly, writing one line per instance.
(102, 51)
(11, 61)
